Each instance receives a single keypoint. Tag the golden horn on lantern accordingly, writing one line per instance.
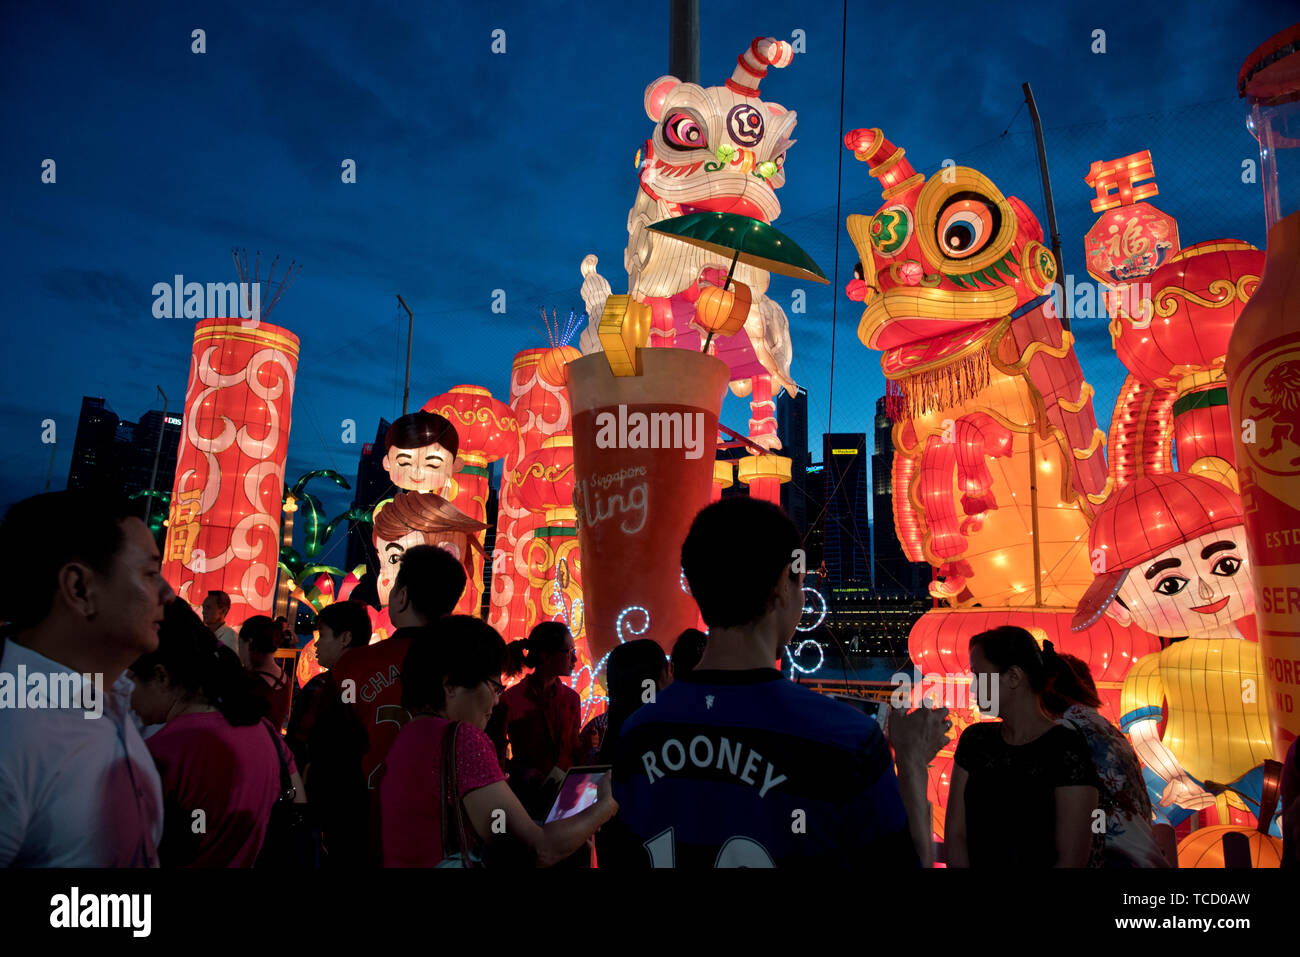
(884, 160)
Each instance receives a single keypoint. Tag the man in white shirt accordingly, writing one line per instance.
(215, 608)
(78, 787)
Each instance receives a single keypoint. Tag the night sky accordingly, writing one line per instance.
(478, 171)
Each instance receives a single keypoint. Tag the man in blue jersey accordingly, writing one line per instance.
(734, 766)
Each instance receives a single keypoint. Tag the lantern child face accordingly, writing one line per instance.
(425, 469)
(1198, 588)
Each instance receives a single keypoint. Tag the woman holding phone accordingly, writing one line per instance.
(454, 675)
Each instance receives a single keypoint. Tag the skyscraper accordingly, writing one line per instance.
(891, 571)
(371, 487)
(115, 456)
(847, 541)
(792, 429)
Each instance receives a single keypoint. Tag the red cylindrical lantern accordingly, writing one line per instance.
(541, 410)
(224, 526)
(487, 430)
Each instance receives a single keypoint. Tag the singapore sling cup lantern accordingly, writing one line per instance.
(643, 452)
(223, 529)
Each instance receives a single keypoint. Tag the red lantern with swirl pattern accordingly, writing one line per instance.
(487, 430)
(224, 525)
(542, 410)
(545, 483)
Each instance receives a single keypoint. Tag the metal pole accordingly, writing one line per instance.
(410, 322)
(1047, 198)
(684, 40)
(1033, 512)
(157, 450)
(50, 473)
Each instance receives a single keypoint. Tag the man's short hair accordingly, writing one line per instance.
(734, 556)
(223, 600)
(434, 580)
(349, 617)
(42, 534)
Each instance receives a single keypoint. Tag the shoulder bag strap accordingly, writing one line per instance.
(286, 780)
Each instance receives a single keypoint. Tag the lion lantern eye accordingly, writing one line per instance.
(966, 224)
(684, 131)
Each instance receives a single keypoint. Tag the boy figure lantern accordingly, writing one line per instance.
(1173, 560)
(422, 452)
(422, 457)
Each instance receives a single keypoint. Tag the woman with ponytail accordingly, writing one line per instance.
(218, 756)
(541, 715)
(1024, 788)
(1071, 695)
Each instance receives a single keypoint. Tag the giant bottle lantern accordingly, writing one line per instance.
(487, 430)
(643, 451)
(224, 525)
(1264, 382)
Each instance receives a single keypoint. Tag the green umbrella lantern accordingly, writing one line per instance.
(744, 239)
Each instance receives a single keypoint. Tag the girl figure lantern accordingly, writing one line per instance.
(411, 519)
(1173, 559)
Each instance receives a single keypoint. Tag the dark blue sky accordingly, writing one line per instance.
(478, 172)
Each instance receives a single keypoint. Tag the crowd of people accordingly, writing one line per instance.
(412, 752)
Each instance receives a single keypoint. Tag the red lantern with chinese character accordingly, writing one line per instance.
(224, 527)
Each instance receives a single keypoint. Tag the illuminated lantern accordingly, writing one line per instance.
(224, 525)
(721, 149)
(635, 499)
(1171, 549)
(939, 643)
(722, 312)
(552, 365)
(545, 483)
(764, 474)
(541, 410)
(1129, 243)
(1204, 847)
(488, 430)
(1172, 312)
(955, 284)
(723, 470)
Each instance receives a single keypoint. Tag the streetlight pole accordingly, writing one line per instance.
(410, 322)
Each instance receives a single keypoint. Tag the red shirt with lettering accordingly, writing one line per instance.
(376, 673)
(410, 788)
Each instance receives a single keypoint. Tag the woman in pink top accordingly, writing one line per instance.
(217, 756)
(454, 674)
